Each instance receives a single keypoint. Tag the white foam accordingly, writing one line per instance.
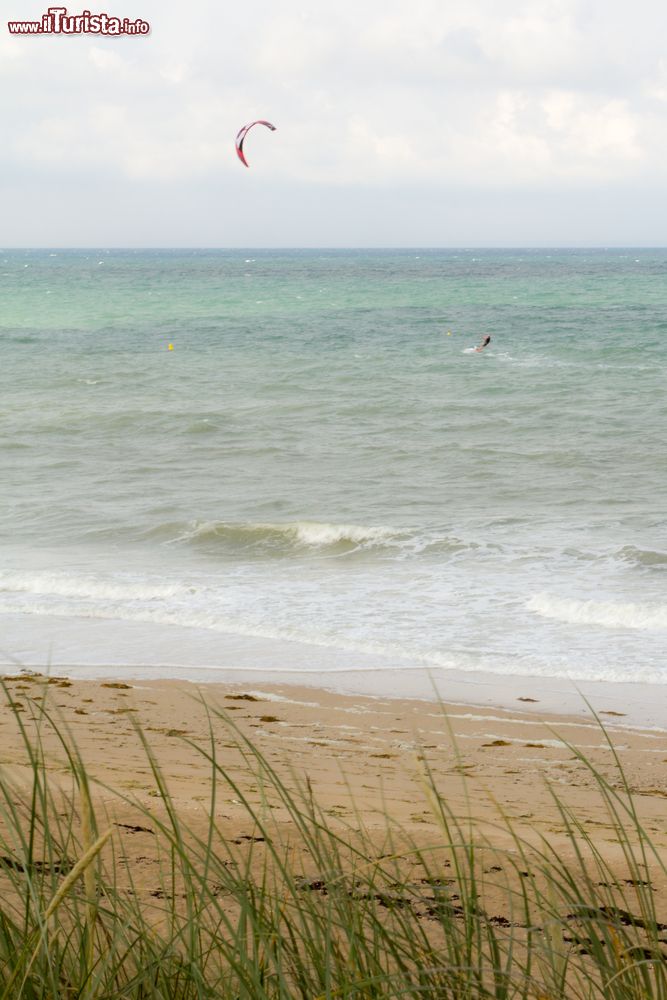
(48, 596)
(313, 534)
(316, 534)
(86, 587)
(608, 614)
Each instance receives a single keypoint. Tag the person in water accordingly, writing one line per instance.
(485, 343)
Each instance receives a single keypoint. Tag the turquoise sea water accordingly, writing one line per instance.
(318, 476)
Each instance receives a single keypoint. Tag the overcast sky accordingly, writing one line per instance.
(410, 123)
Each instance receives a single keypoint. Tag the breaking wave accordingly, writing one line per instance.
(266, 539)
(283, 538)
(608, 614)
(642, 557)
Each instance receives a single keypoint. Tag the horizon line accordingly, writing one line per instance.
(237, 247)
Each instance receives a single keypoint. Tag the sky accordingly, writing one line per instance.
(411, 123)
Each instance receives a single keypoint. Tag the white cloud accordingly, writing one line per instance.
(538, 43)
(291, 47)
(11, 49)
(391, 95)
(175, 72)
(656, 87)
(107, 60)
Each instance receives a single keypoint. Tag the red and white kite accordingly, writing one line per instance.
(243, 133)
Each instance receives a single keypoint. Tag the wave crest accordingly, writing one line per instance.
(294, 538)
(283, 538)
(645, 617)
(643, 557)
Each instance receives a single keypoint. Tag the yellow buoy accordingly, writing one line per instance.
(171, 347)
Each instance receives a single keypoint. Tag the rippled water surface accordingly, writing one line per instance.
(322, 472)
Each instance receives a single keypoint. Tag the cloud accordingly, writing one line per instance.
(549, 94)
(290, 48)
(108, 61)
(539, 44)
(655, 87)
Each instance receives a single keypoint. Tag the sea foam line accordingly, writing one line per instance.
(608, 614)
(86, 587)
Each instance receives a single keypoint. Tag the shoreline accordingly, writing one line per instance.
(351, 746)
(620, 704)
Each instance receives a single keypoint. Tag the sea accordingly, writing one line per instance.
(294, 460)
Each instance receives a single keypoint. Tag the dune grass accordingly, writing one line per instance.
(320, 912)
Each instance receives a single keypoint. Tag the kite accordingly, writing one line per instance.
(243, 133)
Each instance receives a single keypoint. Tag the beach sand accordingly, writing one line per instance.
(358, 753)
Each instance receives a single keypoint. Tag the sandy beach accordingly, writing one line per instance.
(363, 757)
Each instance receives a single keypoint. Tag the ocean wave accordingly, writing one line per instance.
(87, 587)
(285, 638)
(390, 653)
(642, 557)
(608, 614)
(224, 605)
(312, 537)
(276, 537)
(629, 556)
